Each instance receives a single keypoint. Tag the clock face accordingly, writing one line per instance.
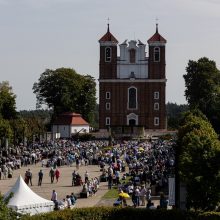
(108, 54)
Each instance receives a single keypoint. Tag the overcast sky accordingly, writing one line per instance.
(47, 34)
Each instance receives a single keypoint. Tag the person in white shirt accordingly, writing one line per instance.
(54, 196)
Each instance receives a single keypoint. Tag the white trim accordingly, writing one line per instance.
(132, 87)
(110, 57)
(156, 121)
(132, 116)
(108, 95)
(156, 106)
(157, 48)
(157, 95)
(135, 80)
(107, 121)
(157, 43)
(107, 106)
(108, 43)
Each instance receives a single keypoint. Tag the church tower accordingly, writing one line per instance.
(132, 85)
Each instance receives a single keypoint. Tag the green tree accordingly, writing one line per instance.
(198, 156)
(64, 90)
(202, 82)
(7, 101)
(174, 114)
(5, 130)
(5, 212)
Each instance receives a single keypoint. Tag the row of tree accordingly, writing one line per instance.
(198, 156)
(61, 90)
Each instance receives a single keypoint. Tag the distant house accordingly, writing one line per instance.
(69, 123)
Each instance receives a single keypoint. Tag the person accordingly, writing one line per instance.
(54, 196)
(73, 178)
(73, 198)
(40, 177)
(28, 176)
(148, 194)
(77, 163)
(52, 174)
(109, 181)
(163, 201)
(57, 174)
(143, 192)
(69, 203)
(86, 176)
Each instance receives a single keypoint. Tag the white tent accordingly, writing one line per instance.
(26, 201)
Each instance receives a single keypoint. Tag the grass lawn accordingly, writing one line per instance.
(113, 192)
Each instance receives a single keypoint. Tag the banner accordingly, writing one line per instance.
(171, 183)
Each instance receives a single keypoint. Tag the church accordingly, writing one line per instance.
(132, 85)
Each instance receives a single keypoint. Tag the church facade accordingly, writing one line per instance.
(132, 86)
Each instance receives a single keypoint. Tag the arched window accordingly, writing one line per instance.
(108, 54)
(132, 98)
(156, 54)
(132, 55)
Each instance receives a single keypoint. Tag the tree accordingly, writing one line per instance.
(7, 101)
(174, 114)
(5, 212)
(199, 156)
(203, 88)
(64, 90)
(5, 130)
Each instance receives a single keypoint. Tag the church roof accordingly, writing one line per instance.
(70, 118)
(108, 37)
(157, 37)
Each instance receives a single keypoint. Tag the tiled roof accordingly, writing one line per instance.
(157, 37)
(70, 118)
(108, 37)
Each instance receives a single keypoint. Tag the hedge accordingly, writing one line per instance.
(110, 213)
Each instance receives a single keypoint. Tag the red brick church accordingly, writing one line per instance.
(132, 86)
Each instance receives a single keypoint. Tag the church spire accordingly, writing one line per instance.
(156, 25)
(108, 26)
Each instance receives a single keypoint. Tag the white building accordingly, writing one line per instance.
(68, 124)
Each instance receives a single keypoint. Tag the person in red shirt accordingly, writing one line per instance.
(57, 174)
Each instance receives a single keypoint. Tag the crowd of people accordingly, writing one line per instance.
(147, 164)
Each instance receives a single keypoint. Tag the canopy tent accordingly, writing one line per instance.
(25, 201)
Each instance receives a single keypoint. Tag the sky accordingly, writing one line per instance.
(47, 34)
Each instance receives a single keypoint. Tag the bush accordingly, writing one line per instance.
(110, 213)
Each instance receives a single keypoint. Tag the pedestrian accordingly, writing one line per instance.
(73, 178)
(77, 163)
(40, 177)
(86, 176)
(54, 196)
(57, 174)
(28, 175)
(52, 174)
(143, 193)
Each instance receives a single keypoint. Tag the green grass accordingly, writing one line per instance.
(112, 193)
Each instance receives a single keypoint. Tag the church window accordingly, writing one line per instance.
(132, 55)
(156, 54)
(156, 121)
(108, 54)
(156, 95)
(107, 106)
(107, 95)
(107, 121)
(156, 106)
(132, 98)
